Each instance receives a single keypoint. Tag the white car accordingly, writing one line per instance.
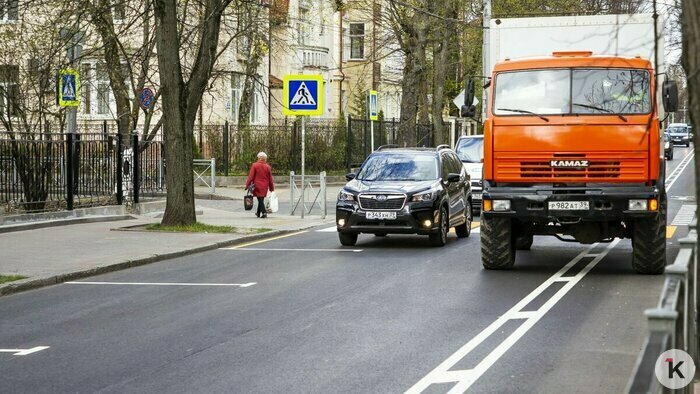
(470, 150)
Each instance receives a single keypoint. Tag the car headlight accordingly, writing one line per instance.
(346, 196)
(424, 196)
(501, 205)
(667, 145)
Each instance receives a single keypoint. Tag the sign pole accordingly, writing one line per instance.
(303, 166)
(371, 133)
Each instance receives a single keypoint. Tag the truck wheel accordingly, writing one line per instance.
(649, 245)
(497, 243)
(348, 239)
(440, 237)
(465, 229)
(524, 242)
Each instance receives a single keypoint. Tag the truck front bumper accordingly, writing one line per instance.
(605, 203)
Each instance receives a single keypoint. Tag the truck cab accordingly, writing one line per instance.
(573, 149)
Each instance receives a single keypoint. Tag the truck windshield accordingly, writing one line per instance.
(573, 91)
(399, 167)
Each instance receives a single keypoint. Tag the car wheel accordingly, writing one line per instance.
(687, 144)
(347, 239)
(670, 155)
(440, 237)
(464, 230)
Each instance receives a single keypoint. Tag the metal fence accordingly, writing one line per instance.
(334, 145)
(673, 323)
(56, 171)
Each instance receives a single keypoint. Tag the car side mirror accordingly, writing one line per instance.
(349, 177)
(669, 92)
(452, 177)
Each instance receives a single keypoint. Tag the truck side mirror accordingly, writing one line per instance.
(468, 110)
(669, 92)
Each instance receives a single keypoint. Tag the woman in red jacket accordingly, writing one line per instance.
(261, 177)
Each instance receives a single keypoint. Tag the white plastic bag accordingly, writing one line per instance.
(272, 204)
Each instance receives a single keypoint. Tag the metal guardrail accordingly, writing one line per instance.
(208, 165)
(673, 323)
(298, 198)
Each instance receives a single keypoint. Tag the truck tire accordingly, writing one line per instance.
(524, 242)
(497, 243)
(347, 239)
(440, 237)
(649, 245)
(465, 229)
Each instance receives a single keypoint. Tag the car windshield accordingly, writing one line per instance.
(677, 130)
(399, 167)
(470, 150)
(572, 91)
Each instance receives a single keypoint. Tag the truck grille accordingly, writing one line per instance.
(624, 166)
(377, 201)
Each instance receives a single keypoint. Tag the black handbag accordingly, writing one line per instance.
(248, 199)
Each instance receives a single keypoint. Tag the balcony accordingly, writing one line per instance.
(313, 57)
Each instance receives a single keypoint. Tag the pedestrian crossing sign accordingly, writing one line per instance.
(68, 89)
(303, 95)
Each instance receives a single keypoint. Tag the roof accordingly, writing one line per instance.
(577, 59)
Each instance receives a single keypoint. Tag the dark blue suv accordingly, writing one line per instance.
(406, 191)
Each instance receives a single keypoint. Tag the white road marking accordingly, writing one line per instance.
(294, 250)
(684, 215)
(673, 177)
(164, 284)
(333, 229)
(465, 378)
(24, 352)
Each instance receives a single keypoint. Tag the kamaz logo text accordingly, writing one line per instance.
(569, 163)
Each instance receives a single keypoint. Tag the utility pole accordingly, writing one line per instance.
(485, 56)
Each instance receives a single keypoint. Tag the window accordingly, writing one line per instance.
(618, 91)
(236, 91)
(118, 11)
(85, 88)
(399, 167)
(303, 26)
(103, 89)
(357, 41)
(470, 150)
(9, 90)
(8, 10)
(540, 91)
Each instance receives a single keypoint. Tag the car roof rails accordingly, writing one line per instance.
(443, 146)
(387, 146)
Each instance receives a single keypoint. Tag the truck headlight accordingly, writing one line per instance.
(637, 205)
(501, 205)
(345, 196)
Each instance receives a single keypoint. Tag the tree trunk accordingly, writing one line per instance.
(439, 76)
(251, 70)
(409, 103)
(179, 208)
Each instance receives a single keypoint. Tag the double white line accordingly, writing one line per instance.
(673, 177)
(463, 379)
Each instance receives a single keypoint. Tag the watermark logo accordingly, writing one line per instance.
(675, 369)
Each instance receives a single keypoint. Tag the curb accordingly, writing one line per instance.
(31, 284)
(61, 222)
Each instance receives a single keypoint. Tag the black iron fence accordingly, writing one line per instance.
(55, 171)
(335, 145)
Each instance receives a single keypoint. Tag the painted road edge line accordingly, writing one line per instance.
(265, 240)
(679, 170)
(24, 352)
(163, 284)
(465, 378)
(295, 250)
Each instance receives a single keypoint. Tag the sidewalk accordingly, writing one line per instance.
(52, 255)
(237, 193)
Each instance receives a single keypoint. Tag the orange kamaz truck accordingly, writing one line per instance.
(573, 149)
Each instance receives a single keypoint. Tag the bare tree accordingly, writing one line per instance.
(182, 90)
(690, 20)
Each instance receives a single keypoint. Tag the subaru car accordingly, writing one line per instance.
(470, 150)
(406, 191)
(679, 133)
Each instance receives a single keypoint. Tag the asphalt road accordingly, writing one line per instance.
(303, 314)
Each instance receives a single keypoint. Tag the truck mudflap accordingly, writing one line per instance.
(570, 205)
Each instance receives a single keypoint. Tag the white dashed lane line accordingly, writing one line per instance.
(684, 215)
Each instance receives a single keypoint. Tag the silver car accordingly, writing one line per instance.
(470, 150)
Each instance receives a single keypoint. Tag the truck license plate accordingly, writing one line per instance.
(476, 196)
(568, 205)
(381, 215)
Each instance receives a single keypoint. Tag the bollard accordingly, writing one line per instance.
(291, 193)
(322, 179)
(213, 175)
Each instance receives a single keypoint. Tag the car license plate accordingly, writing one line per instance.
(568, 205)
(381, 215)
(476, 196)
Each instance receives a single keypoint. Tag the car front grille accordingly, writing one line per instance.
(382, 201)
